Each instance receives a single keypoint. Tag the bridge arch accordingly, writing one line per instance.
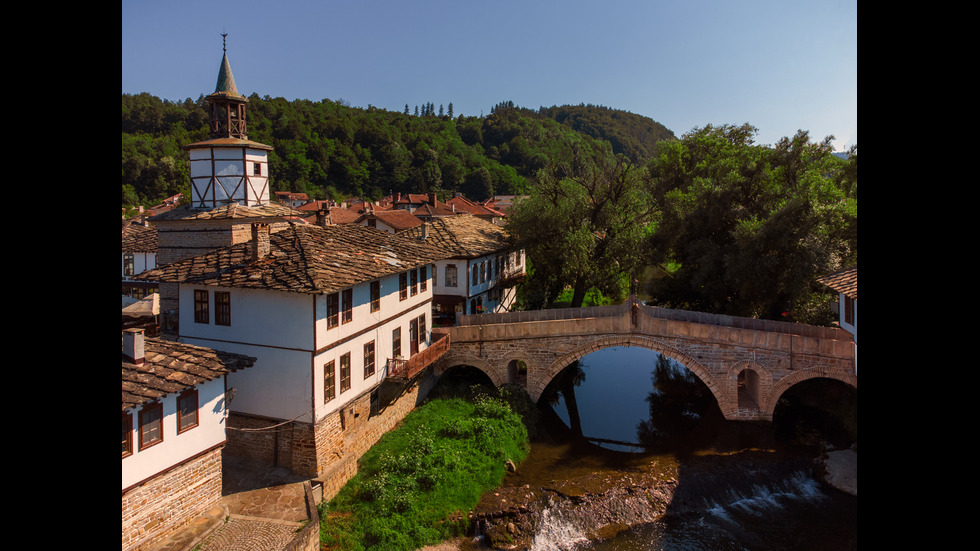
(453, 359)
(792, 379)
(538, 382)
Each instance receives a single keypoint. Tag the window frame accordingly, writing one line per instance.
(345, 372)
(147, 409)
(369, 360)
(188, 394)
(222, 308)
(396, 342)
(127, 436)
(347, 303)
(333, 310)
(424, 279)
(202, 306)
(848, 310)
(129, 264)
(414, 280)
(403, 286)
(329, 381)
(451, 277)
(375, 296)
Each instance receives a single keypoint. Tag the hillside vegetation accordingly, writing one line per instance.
(330, 150)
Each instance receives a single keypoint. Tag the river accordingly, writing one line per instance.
(724, 486)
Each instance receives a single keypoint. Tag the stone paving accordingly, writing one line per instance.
(261, 509)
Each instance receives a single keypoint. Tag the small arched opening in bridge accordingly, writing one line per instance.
(517, 373)
(748, 389)
(817, 411)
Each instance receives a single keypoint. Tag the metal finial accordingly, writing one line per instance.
(224, 42)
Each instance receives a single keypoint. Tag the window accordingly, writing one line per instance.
(372, 223)
(129, 264)
(333, 310)
(424, 278)
(413, 336)
(422, 329)
(396, 342)
(345, 372)
(127, 434)
(348, 305)
(256, 169)
(435, 272)
(483, 272)
(368, 359)
(375, 296)
(222, 308)
(451, 275)
(475, 274)
(201, 313)
(329, 381)
(151, 425)
(402, 286)
(415, 282)
(186, 410)
(848, 310)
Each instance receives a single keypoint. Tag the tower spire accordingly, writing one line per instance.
(227, 105)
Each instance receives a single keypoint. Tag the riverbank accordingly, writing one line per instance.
(841, 470)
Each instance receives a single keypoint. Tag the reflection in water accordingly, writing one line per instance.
(737, 489)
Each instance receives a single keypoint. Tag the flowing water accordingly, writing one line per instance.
(735, 487)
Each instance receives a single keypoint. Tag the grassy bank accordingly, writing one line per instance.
(415, 486)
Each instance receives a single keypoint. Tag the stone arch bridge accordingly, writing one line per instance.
(746, 363)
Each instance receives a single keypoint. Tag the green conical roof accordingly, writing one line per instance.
(226, 81)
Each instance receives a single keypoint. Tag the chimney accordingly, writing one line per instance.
(323, 216)
(432, 199)
(260, 240)
(425, 231)
(132, 345)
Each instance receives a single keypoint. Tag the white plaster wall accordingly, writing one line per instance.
(461, 278)
(276, 328)
(175, 448)
(227, 165)
(851, 328)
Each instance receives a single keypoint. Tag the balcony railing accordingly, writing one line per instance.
(408, 368)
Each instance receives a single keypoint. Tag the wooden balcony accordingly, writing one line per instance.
(409, 368)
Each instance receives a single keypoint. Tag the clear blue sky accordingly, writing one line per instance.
(780, 65)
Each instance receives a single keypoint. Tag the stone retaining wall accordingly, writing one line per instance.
(163, 505)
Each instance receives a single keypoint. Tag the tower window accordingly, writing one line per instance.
(257, 169)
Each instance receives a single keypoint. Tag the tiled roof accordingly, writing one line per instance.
(228, 142)
(398, 219)
(170, 367)
(463, 235)
(137, 238)
(230, 211)
(304, 259)
(426, 210)
(845, 282)
(463, 204)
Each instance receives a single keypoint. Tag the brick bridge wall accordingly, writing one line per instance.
(715, 348)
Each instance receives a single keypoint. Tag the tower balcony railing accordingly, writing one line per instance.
(405, 369)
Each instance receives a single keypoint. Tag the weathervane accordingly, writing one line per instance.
(224, 42)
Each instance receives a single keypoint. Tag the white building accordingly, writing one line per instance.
(323, 309)
(846, 284)
(480, 271)
(139, 253)
(173, 432)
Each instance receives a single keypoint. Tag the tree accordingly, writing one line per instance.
(582, 225)
(450, 112)
(748, 229)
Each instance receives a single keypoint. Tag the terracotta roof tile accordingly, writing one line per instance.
(304, 259)
(170, 367)
(845, 282)
(399, 219)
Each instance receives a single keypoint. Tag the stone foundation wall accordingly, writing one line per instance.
(163, 505)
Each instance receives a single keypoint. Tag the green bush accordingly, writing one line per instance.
(413, 486)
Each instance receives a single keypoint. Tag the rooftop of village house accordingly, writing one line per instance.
(398, 219)
(304, 258)
(463, 235)
(137, 238)
(169, 367)
(229, 211)
(845, 281)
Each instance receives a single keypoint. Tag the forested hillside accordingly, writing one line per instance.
(331, 150)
